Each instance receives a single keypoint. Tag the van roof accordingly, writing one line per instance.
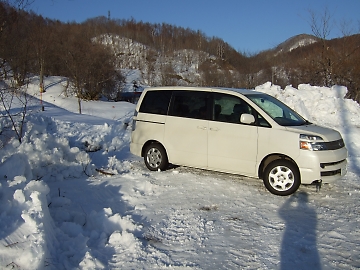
(211, 89)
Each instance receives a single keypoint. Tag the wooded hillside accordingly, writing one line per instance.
(166, 55)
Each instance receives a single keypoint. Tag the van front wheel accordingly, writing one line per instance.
(155, 157)
(281, 177)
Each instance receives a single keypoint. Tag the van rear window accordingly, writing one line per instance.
(156, 102)
(190, 104)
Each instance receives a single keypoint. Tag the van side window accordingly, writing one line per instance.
(229, 108)
(156, 102)
(189, 104)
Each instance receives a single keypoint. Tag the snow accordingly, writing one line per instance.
(58, 210)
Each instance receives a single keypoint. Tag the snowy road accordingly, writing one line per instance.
(203, 220)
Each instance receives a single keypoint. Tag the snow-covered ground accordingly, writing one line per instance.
(58, 210)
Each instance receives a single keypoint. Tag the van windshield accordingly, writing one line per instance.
(277, 110)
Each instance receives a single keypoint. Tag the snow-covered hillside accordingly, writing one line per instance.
(295, 42)
(73, 197)
(181, 67)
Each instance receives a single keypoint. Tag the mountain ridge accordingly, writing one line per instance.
(295, 42)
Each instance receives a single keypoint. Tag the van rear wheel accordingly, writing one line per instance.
(281, 177)
(155, 157)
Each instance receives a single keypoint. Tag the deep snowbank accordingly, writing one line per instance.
(321, 105)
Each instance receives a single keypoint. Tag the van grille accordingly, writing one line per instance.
(323, 165)
(331, 173)
(334, 145)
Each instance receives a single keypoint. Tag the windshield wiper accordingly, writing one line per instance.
(306, 123)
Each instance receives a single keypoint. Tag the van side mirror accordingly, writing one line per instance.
(247, 118)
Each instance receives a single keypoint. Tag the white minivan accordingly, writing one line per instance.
(235, 131)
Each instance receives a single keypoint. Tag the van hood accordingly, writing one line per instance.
(327, 134)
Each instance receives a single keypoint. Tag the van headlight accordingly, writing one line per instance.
(312, 142)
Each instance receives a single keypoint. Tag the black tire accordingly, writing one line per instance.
(281, 177)
(155, 157)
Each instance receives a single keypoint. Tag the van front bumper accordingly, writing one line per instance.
(327, 166)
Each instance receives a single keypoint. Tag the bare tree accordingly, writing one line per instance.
(13, 101)
(321, 27)
(19, 4)
(90, 65)
(40, 38)
(14, 109)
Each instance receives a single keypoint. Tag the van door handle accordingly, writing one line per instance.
(214, 129)
(202, 127)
